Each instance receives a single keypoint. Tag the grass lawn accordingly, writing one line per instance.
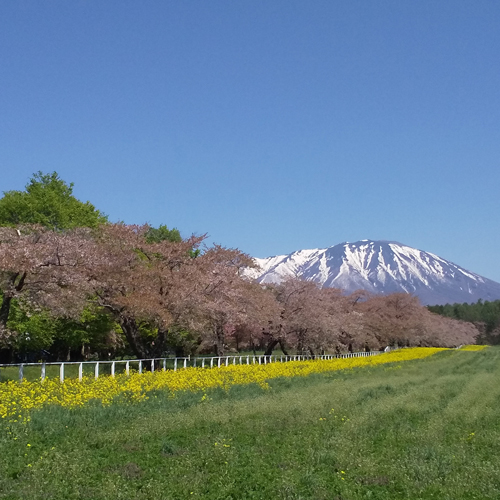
(424, 429)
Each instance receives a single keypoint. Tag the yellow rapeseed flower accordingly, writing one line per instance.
(18, 399)
(473, 347)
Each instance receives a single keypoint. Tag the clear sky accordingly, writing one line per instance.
(272, 125)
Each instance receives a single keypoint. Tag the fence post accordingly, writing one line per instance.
(227, 360)
(185, 362)
(164, 364)
(203, 362)
(152, 366)
(234, 360)
(194, 362)
(80, 372)
(218, 362)
(175, 364)
(211, 362)
(127, 368)
(61, 373)
(113, 369)
(96, 370)
(140, 366)
(21, 372)
(248, 360)
(43, 371)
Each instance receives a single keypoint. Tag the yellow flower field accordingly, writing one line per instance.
(473, 347)
(18, 399)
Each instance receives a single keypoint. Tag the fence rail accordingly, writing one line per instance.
(100, 368)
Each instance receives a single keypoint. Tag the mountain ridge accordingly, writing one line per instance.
(380, 266)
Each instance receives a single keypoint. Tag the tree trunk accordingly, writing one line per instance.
(301, 337)
(219, 339)
(283, 348)
(131, 331)
(18, 284)
(4, 311)
(270, 346)
(253, 348)
(160, 343)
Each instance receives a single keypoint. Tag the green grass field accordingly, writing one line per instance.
(426, 429)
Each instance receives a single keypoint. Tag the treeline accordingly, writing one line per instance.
(484, 315)
(75, 286)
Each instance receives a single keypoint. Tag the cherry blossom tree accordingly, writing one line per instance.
(44, 268)
(157, 288)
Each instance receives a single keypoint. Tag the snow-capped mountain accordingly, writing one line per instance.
(381, 267)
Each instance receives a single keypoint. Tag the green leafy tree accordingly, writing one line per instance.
(48, 201)
(163, 233)
(93, 333)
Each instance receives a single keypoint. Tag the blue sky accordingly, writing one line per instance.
(270, 125)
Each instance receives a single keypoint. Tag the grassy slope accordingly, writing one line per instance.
(427, 429)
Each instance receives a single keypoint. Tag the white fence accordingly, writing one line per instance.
(97, 368)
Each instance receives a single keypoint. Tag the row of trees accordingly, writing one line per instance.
(156, 296)
(485, 315)
(91, 288)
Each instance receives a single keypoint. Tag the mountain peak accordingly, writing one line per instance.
(380, 266)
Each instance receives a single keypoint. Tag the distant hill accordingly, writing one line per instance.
(381, 267)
